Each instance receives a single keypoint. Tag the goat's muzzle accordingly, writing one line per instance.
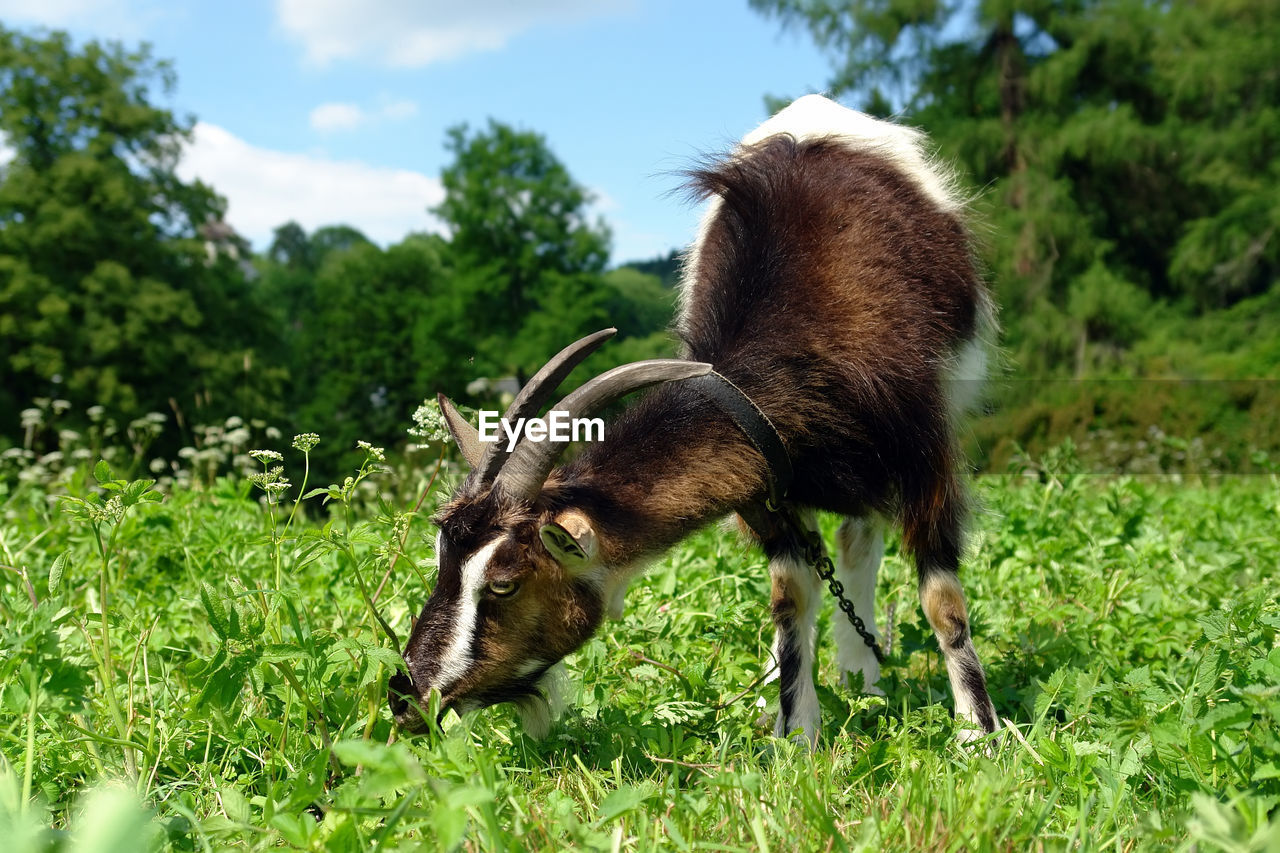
(407, 706)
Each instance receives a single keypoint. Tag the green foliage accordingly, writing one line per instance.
(217, 666)
(666, 267)
(528, 255)
(1112, 138)
(637, 303)
(1122, 162)
(107, 293)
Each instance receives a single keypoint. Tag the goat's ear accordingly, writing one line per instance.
(570, 539)
(467, 437)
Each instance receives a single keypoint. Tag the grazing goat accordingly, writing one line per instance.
(832, 282)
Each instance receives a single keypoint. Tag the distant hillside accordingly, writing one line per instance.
(666, 268)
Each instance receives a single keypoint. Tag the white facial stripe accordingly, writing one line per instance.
(457, 657)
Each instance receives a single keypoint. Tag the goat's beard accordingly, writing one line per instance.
(541, 706)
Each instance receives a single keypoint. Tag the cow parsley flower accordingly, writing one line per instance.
(429, 423)
(375, 453)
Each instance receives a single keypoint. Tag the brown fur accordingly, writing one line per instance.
(944, 607)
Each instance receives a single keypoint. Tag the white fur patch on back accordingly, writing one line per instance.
(816, 117)
(457, 656)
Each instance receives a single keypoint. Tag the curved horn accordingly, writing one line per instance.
(536, 392)
(531, 462)
(467, 437)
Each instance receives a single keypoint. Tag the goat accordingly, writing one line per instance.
(832, 282)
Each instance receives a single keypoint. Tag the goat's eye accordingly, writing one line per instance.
(503, 588)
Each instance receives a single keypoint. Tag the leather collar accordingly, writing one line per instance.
(755, 425)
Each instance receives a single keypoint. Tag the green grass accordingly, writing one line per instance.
(233, 694)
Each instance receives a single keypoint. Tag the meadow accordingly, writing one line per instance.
(200, 663)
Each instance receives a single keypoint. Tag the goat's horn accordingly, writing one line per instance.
(536, 392)
(467, 437)
(531, 462)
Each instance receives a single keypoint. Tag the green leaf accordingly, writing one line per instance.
(216, 608)
(280, 652)
(55, 572)
(623, 800)
(235, 805)
(134, 491)
(102, 471)
(113, 821)
(353, 752)
(1266, 771)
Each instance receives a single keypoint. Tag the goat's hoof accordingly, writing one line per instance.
(974, 738)
(801, 734)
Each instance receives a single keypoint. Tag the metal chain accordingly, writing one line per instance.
(817, 558)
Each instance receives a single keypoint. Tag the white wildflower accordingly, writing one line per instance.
(377, 453)
(429, 424)
(237, 436)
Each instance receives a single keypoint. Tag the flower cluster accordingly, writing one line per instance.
(272, 481)
(429, 425)
(377, 454)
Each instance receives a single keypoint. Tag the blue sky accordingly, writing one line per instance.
(329, 111)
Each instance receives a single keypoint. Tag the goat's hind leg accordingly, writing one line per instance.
(933, 535)
(943, 602)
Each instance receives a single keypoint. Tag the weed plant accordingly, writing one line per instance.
(201, 664)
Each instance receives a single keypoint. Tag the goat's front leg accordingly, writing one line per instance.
(859, 549)
(796, 595)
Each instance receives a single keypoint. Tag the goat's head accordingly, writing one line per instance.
(520, 580)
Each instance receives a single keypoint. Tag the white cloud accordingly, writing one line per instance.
(265, 189)
(109, 19)
(399, 109)
(413, 33)
(346, 116)
(337, 117)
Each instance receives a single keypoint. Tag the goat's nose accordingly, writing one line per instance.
(400, 695)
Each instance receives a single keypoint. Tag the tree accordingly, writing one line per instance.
(1125, 149)
(108, 294)
(360, 365)
(528, 257)
(291, 247)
